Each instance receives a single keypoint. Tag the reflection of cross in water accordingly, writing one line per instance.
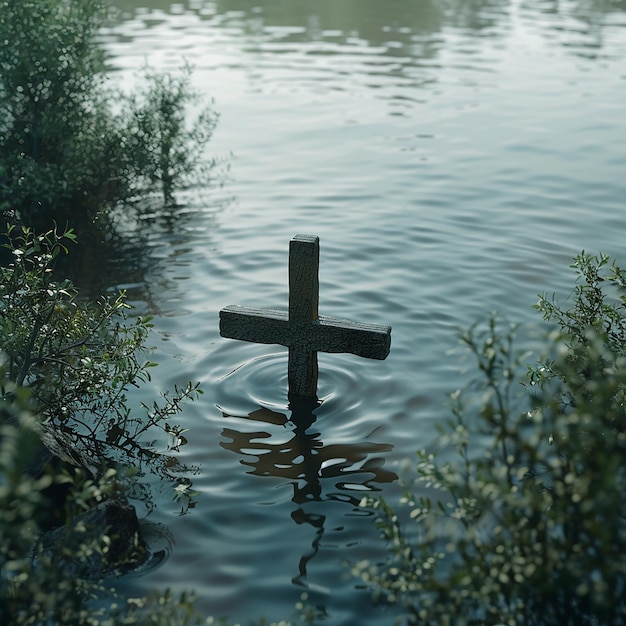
(304, 460)
(302, 329)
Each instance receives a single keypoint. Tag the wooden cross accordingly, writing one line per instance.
(302, 329)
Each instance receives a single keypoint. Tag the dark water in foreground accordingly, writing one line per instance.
(452, 157)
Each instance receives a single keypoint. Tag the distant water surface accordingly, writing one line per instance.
(452, 157)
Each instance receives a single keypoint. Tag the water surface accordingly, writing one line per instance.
(452, 157)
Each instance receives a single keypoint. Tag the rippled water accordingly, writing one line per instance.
(452, 157)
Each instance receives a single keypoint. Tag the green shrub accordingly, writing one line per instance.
(65, 369)
(165, 152)
(69, 144)
(77, 360)
(526, 523)
(36, 589)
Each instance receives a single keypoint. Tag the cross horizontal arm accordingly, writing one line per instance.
(372, 341)
(326, 334)
(256, 325)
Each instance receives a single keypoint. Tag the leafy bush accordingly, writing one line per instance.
(36, 588)
(49, 75)
(164, 151)
(77, 361)
(65, 369)
(526, 525)
(69, 145)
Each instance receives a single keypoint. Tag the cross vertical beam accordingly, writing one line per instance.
(304, 287)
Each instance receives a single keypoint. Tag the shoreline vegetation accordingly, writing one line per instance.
(517, 518)
(76, 456)
(72, 145)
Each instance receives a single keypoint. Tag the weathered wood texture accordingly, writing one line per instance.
(326, 334)
(302, 329)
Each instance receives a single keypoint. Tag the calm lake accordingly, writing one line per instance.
(453, 156)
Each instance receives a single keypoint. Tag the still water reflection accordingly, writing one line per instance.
(308, 466)
(453, 157)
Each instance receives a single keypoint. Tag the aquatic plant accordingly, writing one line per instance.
(166, 151)
(70, 145)
(519, 517)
